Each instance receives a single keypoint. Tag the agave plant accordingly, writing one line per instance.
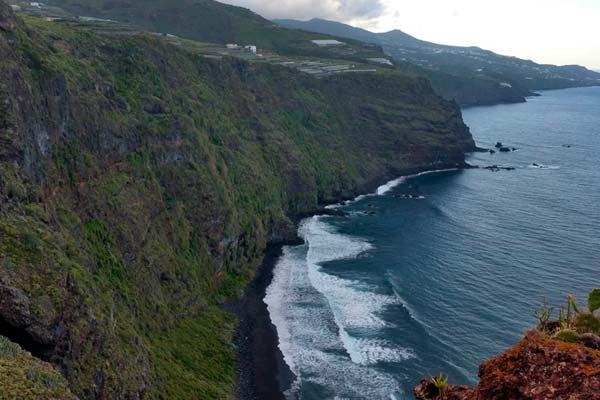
(440, 383)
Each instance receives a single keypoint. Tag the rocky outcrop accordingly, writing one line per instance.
(538, 368)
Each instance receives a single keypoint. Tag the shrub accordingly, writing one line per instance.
(567, 335)
(587, 323)
(8, 349)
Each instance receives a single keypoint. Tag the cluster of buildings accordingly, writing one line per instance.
(250, 48)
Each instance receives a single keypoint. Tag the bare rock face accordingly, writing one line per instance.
(6, 17)
(538, 368)
(14, 306)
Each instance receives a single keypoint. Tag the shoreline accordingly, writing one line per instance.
(261, 372)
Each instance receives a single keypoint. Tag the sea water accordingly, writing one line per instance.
(439, 272)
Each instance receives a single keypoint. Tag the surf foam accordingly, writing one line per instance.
(315, 314)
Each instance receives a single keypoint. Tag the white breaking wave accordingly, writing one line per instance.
(318, 315)
(354, 305)
(315, 314)
(389, 186)
(383, 189)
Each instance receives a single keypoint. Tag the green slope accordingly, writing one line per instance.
(140, 184)
(211, 21)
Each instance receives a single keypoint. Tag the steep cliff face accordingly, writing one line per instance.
(141, 183)
(536, 368)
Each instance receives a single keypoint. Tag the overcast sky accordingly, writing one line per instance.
(547, 31)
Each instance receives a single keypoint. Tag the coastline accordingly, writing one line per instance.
(261, 372)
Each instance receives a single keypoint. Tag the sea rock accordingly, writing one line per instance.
(332, 212)
(505, 150)
(492, 151)
(537, 368)
(499, 145)
(496, 168)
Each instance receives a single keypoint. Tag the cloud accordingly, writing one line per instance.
(339, 10)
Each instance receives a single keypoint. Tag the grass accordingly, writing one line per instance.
(25, 377)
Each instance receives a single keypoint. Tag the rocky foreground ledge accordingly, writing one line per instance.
(538, 367)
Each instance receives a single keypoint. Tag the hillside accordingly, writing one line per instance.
(141, 182)
(470, 75)
(214, 22)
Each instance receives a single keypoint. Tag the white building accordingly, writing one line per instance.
(251, 48)
(233, 46)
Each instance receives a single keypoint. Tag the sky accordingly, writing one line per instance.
(546, 31)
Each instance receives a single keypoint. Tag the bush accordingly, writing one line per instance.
(568, 336)
(587, 323)
(8, 349)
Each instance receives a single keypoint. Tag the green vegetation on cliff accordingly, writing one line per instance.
(140, 184)
(25, 377)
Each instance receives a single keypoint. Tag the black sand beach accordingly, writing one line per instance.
(261, 372)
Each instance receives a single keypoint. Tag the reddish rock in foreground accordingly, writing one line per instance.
(538, 368)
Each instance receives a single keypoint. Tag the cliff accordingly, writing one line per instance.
(140, 184)
(560, 359)
(537, 368)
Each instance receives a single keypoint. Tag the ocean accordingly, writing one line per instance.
(439, 272)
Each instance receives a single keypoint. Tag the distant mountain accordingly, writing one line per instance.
(470, 75)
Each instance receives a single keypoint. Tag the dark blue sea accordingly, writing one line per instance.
(440, 272)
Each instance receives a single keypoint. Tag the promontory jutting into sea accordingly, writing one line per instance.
(298, 200)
